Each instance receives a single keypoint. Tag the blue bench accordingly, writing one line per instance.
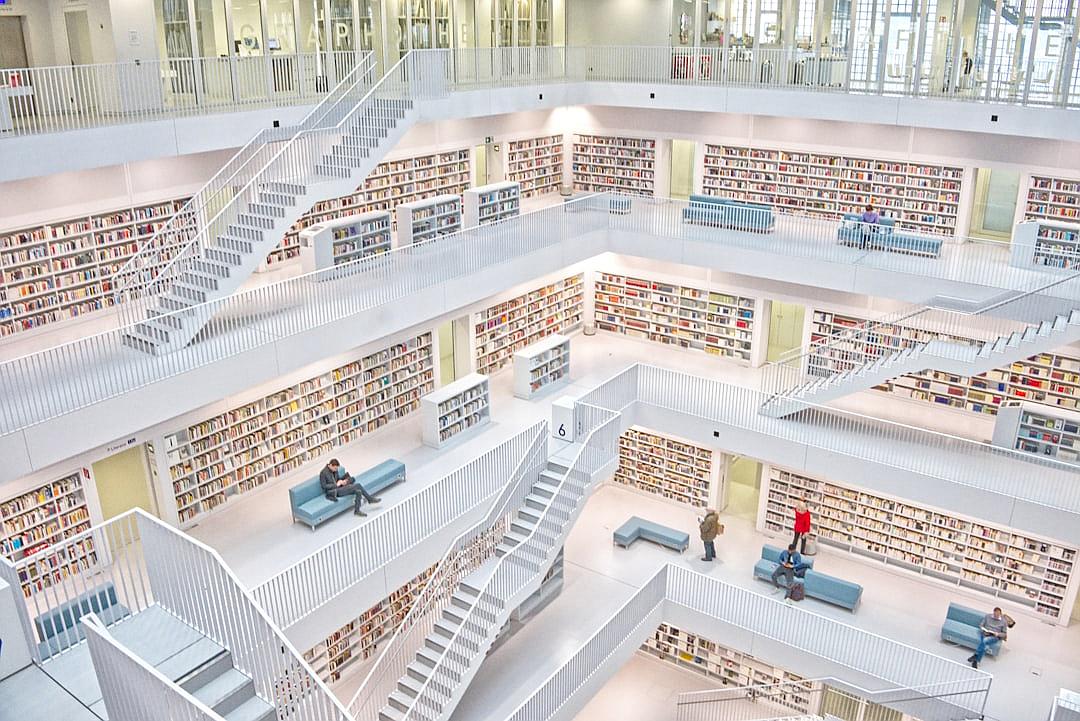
(817, 585)
(884, 235)
(728, 213)
(636, 528)
(311, 506)
(962, 628)
(59, 628)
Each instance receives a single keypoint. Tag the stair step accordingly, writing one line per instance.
(410, 686)
(144, 344)
(277, 186)
(437, 643)
(462, 601)
(225, 256)
(446, 628)
(390, 714)
(286, 200)
(195, 664)
(225, 692)
(211, 267)
(269, 210)
(332, 171)
(545, 489)
(455, 614)
(200, 279)
(152, 329)
(530, 515)
(164, 317)
(236, 244)
(399, 701)
(427, 657)
(523, 527)
(244, 231)
(536, 501)
(189, 291)
(255, 221)
(254, 709)
(418, 671)
(1074, 316)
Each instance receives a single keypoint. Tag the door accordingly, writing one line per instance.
(480, 174)
(123, 482)
(78, 37)
(743, 483)
(994, 209)
(12, 43)
(454, 360)
(681, 182)
(496, 165)
(785, 328)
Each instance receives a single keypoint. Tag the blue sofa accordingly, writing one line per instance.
(636, 528)
(884, 235)
(60, 629)
(817, 585)
(962, 628)
(311, 506)
(728, 213)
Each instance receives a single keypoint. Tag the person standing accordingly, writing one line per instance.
(966, 66)
(709, 527)
(995, 629)
(337, 485)
(802, 525)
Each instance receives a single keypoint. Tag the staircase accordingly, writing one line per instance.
(227, 230)
(226, 690)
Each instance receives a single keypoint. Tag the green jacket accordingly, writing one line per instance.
(709, 526)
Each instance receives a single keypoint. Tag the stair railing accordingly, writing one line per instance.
(458, 561)
(155, 253)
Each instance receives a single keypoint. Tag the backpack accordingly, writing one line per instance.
(798, 592)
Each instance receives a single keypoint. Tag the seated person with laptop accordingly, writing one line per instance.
(336, 483)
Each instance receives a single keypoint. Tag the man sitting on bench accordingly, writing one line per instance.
(790, 566)
(346, 485)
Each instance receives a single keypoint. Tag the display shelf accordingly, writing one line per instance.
(460, 407)
(710, 320)
(492, 203)
(1046, 243)
(610, 162)
(669, 467)
(1034, 573)
(1053, 198)
(390, 184)
(429, 218)
(542, 366)
(46, 517)
(1036, 429)
(511, 325)
(344, 240)
(213, 460)
(536, 164)
(50, 273)
(920, 196)
(732, 668)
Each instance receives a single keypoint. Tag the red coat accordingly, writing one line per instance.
(802, 522)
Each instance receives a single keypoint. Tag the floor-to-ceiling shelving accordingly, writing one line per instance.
(668, 467)
(1052, 198)
(612, 162)
(537, 164)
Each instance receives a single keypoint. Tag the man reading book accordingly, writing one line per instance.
(336, 483)
(995, 629)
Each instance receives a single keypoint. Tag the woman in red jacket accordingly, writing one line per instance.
(802, 525)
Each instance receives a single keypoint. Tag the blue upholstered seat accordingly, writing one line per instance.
(636, 528)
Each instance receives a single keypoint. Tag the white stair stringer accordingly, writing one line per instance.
(940, 355)
(217, 270)
(482, 603)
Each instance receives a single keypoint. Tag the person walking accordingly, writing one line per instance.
(802, 525)
(709, 527)
(995, 630)
(336, 483)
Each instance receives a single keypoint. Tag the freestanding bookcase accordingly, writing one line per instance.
(425, 219)
(541, 367)
(344, 240)
(1049, 243)
(492, 203)
(464, 405)
(1038, 429)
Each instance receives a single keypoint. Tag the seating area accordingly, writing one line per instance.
(817, 585)
(961, 627)
(884, 235)
(636, 528)
(727, 213)
(311, 506)
(60, 629)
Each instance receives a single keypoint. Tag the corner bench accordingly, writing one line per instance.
(311, 506)
(636, 528)
(728, 213)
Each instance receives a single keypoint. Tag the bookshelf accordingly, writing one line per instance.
(392, 183)
(1051, 198)
(457, 408)
(421, 220)
(234, 452)
(344, 240)
(536, 164)
(61, 270)
(1036, 429)
(731, 668)
(669, 467)
(1047, 243)
(922, 197)
(492, 203)
(611, 162)
(708, 320)
(1033, 573)
(47, 516)
(541, 367)
(511, 325)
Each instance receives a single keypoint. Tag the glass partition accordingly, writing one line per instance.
(247, 28)
(342, 33)
(281, 27)
(211, 29)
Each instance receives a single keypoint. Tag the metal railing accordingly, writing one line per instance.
(1066, 707)
(898, 666)
(133, 690)
(76, 97)
(304, 587)
(468, 551)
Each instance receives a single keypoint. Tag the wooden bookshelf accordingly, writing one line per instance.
(1046, 243)
(669, 467)
(1052, 198)
(344, 240)
(1034, 573)
(611, 162)
(421, 220)
(221, 457)
(536, 164)
(709, 320)
(460, 407)
(511, 325)
(542, 366)
(61, 270)
(492, 203)
(1036, 429)
(392, 183)
(731, 668)
(922, 197)
(44, 517)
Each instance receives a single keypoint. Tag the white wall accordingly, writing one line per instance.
(618, 22)
(134, 29)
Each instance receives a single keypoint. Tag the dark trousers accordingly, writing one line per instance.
(352, 489)
(799, 539)
(710, 550)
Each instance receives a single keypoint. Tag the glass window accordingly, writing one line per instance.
(247, 28)
(213, 38)
(420, 24)
(543, 22)
(312, 26)
(502, 31)
(369, 25)
(174, 28)
(682, 22)
(281, 27)
(342, 36)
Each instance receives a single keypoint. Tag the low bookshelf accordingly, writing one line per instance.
(542, 366)
(421, 220)
(1036, 429)
(343, 240)
(463, 406)
(1046, 243)
(492, 203)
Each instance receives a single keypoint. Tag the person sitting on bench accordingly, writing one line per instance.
(790, 565)
(994, 629)
(336, 485)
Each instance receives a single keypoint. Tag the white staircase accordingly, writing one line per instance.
(218, 240)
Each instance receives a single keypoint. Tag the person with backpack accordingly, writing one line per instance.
(790, 565)
(709, 527)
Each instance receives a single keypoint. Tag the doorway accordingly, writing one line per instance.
(681, 183)
(480, 165)
(743, 487)
(78, 37)
(123, 482)
(454, 354)
(994, 209)
(785, 328)
(12, 43)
